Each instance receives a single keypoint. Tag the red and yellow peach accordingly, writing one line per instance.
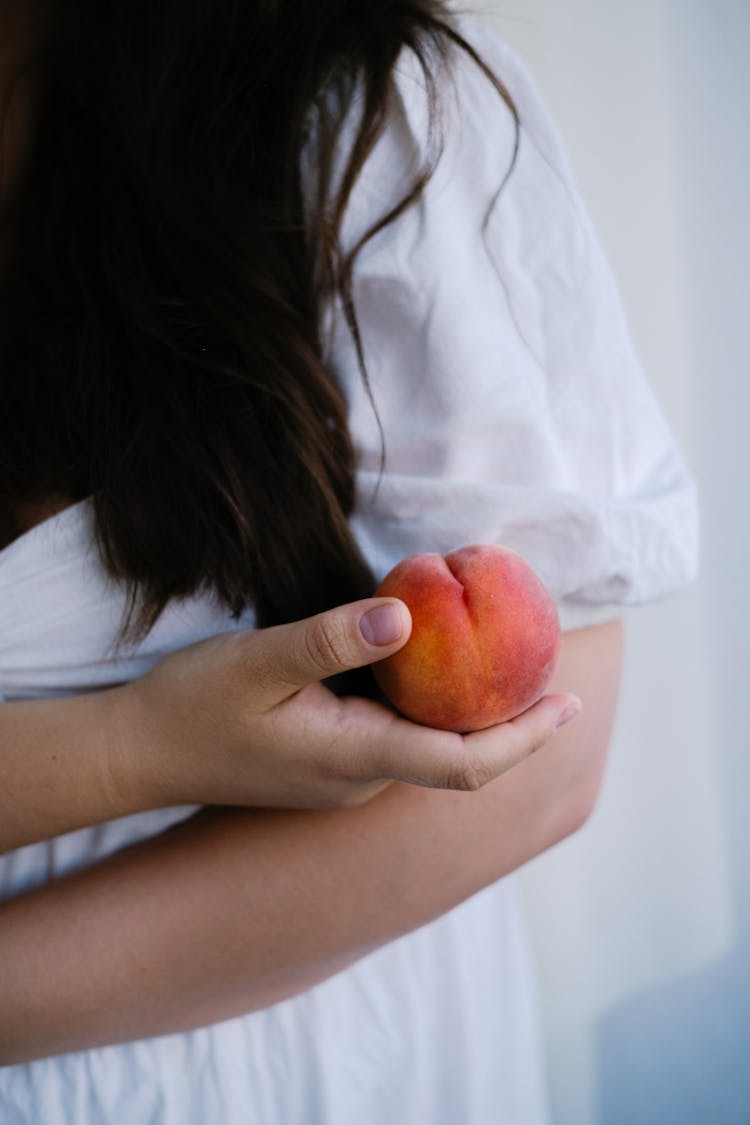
(484, 641)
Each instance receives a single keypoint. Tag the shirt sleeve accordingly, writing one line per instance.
(506, 393)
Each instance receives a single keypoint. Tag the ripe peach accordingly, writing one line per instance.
(484, 642)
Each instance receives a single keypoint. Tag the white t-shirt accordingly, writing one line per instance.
(514, 410)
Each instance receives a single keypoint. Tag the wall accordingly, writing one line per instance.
(641, 923)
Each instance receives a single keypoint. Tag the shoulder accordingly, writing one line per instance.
(511, 398)
(477, 137)
(536, 123)
(444, 113)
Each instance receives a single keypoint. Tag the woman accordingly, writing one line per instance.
(288, 295)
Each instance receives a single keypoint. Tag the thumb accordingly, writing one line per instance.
(336, 641)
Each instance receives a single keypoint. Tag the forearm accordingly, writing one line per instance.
(236, 910)
(56, 767)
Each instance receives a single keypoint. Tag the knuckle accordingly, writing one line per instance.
(326, 646)
(468, 776)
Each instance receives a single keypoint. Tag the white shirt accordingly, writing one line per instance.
(514, 410)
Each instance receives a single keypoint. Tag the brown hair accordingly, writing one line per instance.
(161, 295)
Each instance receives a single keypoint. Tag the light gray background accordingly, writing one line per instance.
(641, 923)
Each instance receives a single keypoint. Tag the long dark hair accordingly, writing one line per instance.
(163, 281)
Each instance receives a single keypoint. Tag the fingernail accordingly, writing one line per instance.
(382, 625)
(568, 713)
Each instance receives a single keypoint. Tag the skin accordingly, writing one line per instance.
(194, 926)
(238, 719)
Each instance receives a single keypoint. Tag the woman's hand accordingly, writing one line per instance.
(243, 719)
(235, 909)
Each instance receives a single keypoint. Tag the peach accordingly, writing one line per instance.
(484, 642)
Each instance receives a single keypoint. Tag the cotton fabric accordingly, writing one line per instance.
(513, 410)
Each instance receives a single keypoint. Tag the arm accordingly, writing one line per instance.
(203, 727)
(236, 719)
(56, 771)
(236, 910)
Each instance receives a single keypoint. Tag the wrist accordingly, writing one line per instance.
(135, 770)
(69, 763)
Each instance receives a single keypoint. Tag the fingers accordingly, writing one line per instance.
(443, 760)
(349, 636)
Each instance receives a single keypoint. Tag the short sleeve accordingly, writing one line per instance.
(511, 405)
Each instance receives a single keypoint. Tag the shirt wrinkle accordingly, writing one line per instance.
(514, 410)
